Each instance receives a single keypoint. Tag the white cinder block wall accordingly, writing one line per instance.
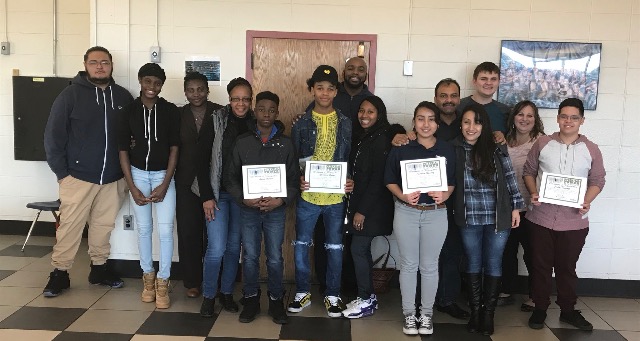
(444, 39)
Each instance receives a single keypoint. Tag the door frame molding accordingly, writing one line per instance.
(371, 38)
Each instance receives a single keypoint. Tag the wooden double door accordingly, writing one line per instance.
(282, 62)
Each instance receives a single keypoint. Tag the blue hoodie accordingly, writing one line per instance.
(80, 138)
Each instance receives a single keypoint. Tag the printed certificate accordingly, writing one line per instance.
(264, 181)
(326, 177)
(564, 190)
(424, 175)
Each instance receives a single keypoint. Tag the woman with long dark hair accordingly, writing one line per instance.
(487, 207)
(370, 203)
(420, 219)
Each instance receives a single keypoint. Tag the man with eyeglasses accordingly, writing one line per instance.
(81, 147)
(557, 233)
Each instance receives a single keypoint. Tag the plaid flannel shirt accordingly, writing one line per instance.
(480, 198)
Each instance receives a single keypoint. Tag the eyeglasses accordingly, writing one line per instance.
(238, 99)
(572, 118)
(102, 62)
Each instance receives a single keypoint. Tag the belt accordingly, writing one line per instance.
(424, 207)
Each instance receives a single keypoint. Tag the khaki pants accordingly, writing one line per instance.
(81, 203)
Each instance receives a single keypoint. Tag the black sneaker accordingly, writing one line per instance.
(101, 275)
(576, 319)
(250, 310)
(229, 304)
(334, 306)
(277, 312)
(207, 307)
(58, 281)
(536, 321)
(454, 311)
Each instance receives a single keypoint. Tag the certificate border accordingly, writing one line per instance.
(343, 176)
(543, 188)
(248, 194)
(444, 185)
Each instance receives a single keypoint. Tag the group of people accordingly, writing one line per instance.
(187, 162)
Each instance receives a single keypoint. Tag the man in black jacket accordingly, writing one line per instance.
(264, 144)
(81, 147)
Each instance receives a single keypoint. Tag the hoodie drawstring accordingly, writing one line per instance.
(97, 100)
(111, 92)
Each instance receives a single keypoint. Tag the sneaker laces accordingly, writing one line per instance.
(410, 321)
(425, 321)
(333, 300)
(300, 296)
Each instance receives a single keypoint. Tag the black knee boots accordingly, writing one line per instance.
(474, 285)
(490, 298)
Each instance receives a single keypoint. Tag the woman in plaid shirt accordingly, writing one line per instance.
(486, 208)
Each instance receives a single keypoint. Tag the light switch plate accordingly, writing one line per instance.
(407, 68)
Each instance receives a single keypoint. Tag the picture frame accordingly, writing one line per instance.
(546, 72)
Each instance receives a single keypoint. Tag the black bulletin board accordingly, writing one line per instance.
(32, 100)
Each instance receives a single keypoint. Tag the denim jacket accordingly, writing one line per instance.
(305, 131)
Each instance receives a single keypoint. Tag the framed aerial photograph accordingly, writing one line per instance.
(546, 73)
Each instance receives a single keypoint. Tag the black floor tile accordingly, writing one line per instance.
(316, 328)
(75, 336)
(453, 331)
(29, 251)
(179, 324)
(5, 273)
(41, 318)
(578, 335)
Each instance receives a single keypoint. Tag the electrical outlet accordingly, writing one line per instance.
(154, 54)
(127, 222)
(5, 47)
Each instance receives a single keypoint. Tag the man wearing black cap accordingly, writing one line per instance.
(80, 142)
(323, 133)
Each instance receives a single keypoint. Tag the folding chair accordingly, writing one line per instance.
(51, 206)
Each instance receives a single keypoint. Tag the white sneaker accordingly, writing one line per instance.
(425, 325)
(410, 327)
(359, 308)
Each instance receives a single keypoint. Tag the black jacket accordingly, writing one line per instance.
(80, 138)
(190, 138)
(249, 150)
(370, 196)
(503, 204)
(148, 134)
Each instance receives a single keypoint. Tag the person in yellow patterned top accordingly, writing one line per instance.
(323, 133)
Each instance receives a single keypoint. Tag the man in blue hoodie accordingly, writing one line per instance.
(81, 146)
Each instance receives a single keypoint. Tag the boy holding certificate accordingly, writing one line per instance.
(558, 232)
(263, 194)
(323, 133)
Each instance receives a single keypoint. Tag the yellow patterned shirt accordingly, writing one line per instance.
(325, 148)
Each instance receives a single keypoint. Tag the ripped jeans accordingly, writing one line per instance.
(306, 216)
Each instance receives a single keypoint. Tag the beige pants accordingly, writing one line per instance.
(81, 203)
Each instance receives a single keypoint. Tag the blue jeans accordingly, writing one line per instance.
(484, 248)
(306, 216)
(223, 245)
(146, 181)
(254, 224)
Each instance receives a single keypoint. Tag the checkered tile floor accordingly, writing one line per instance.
(87, 312)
